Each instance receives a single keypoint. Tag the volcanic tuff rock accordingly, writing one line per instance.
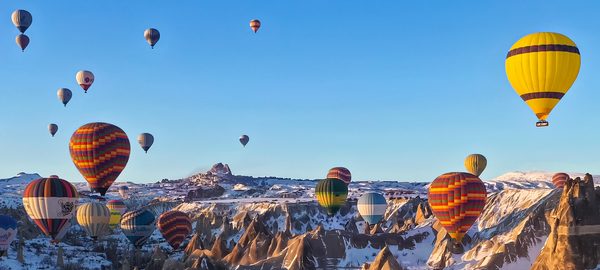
(157, 260)
(171, 264)
(219, 249)
(195, 243)
(575, 229)
(384, 261)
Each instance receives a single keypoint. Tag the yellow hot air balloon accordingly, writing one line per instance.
(94, 218)
(541, 67)
(475, 164)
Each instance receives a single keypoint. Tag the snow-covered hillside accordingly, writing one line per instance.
(223, 205)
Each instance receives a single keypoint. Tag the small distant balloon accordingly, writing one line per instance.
(152, 36)
(340, 173)
(85, 78)
(331, 194)
(475, 164)
(8, 232)
(64, 95)
(371, 207)
(255, 24)
(244, 139)
(145, 140)
(53, 176)
(94, 218)
(22, 19)
(559, 180)
(22, 41)
(123, 190)
(115, 218)
(117, 205)
(53, 128)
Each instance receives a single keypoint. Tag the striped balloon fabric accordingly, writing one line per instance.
(560, 179)
(118, 205)
(340, 173)
(51, 203)
(94, 218)
(175, 226)
(331, 194)
(100, 152)
(371, 207)
(8, 232)
(115, 218)
(138, 226)
(475, 164)
(457, 199)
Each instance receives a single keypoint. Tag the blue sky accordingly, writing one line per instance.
(392, 90)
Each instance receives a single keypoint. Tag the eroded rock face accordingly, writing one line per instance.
(157, 260)
(385, 260)
(575, 229)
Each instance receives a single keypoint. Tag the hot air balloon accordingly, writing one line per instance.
(53, 176)
(457, 200)
(331, 194)
(117, 205)
(50, 202)
(340, 173)
(85, 79)
(371, 207)
(115, 218)
(138, 226)
(255, 24)
(123, 190)
(559, 179)
(541, 67)
(64, 95)
(100, 152)
(61, 234)
(8, 232)
(94, 218)
(152, 36)
(53, 128)
(22, 41)
(146, 140)
(175, 226)
(22, 19)
(475, 164)
(244, 139)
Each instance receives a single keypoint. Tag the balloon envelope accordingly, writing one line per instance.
(117, 205)
(371, 207)
(22, 19)
(244, 139)
(331, 194)
(94, 218)
(340, 173)
(8, 231)
(559, 180)
(115, 218)
(152, 36)
(50, 202)
(457, 200)
(22, 41)
(61, 234)
(475, 164)
(138, 226)
(145, 140)
(100, 152)
(255, 24)
(541, 67)
(64, 95)
(175, 226)
(53, 128)
(85, 79)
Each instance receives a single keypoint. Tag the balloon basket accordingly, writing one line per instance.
(541, 123)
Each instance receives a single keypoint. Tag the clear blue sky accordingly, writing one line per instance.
(392, 90)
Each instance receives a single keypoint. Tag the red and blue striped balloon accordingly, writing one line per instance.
(175, 226)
